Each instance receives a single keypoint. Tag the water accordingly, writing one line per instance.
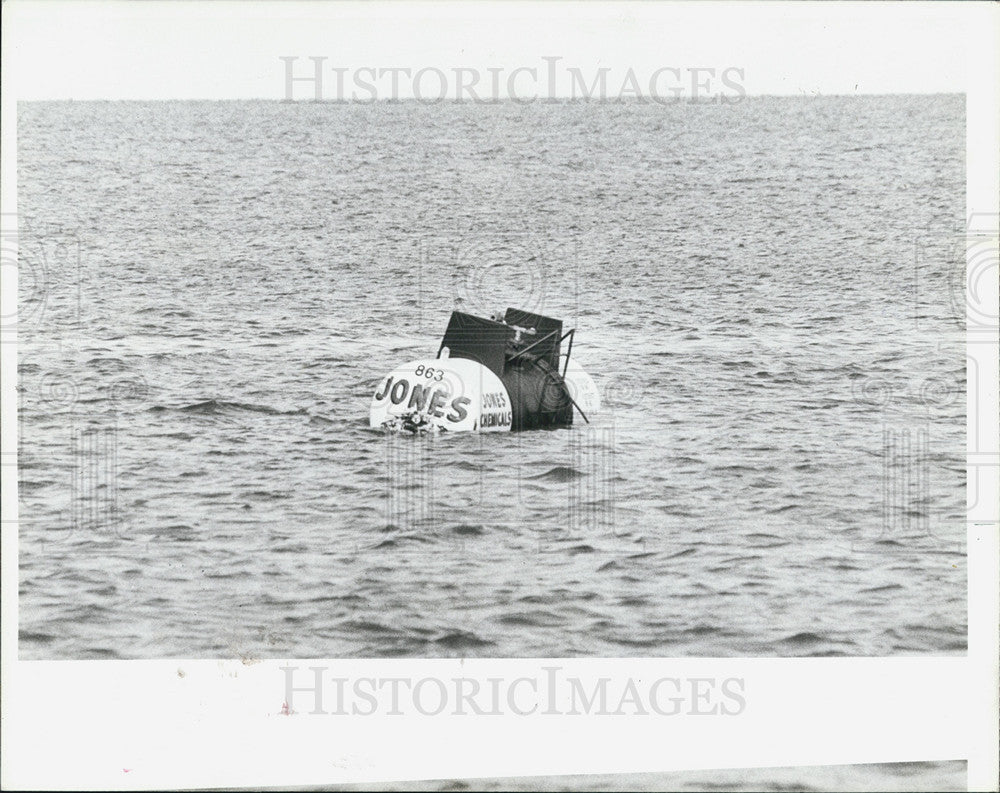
(765, 293)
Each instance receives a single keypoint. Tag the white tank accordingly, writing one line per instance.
(582, 388)
(435, 394)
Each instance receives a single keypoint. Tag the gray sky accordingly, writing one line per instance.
(188, 50)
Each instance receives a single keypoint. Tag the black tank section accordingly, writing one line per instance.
(538, 395)
(523, 350)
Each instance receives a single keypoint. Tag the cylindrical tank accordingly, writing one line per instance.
(434, 394)
(490, 376)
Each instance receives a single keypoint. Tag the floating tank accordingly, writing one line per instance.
(490, 375)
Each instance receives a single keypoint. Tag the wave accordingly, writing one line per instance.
(459, 640)
(561, 473)
(533, 619)
(212, 407)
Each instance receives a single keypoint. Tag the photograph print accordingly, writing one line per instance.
(559, 362)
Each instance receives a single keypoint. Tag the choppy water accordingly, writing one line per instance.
(765, 293)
